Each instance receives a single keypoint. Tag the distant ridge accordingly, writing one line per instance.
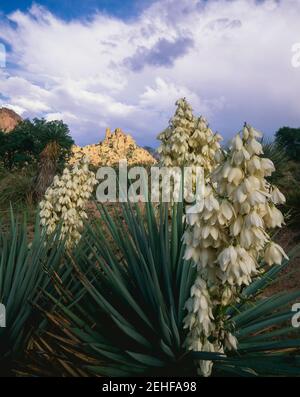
(115, 147)
(8, 119)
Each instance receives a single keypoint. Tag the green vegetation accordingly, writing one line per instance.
(289, 139)
(286, 177)
(27, 141)
(30, 156)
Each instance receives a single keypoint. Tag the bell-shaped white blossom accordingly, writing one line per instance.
(274, 254)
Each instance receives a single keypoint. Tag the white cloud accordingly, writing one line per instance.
(15, 108)
(160, 98)
(233, 63)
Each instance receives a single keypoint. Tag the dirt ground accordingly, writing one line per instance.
(289, 278)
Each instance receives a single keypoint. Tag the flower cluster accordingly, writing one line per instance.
(174, 149)
(227, 239)
(188, 140)
(65, 201)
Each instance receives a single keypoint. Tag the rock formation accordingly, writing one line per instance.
(8, 119)
(115, 147)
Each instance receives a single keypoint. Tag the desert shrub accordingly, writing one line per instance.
(16, 188)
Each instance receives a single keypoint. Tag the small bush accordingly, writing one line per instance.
(16, 188)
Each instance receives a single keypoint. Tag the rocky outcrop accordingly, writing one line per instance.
(8, 119)
(115, 147)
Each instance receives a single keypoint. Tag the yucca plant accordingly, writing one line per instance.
(122, 313)
(22, 262)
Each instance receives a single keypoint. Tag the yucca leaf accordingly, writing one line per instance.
(263, 307)
(146, 359)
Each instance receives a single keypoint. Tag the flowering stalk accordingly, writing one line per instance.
(227, 239)
(188, 140)
(65, 201)
(174, 150)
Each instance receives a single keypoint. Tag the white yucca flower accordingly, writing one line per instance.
(65, 201)
(228, 237)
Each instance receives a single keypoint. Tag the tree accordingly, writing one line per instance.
(289, 139)
(28, 140)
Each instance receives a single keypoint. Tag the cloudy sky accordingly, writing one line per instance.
(123, 63)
